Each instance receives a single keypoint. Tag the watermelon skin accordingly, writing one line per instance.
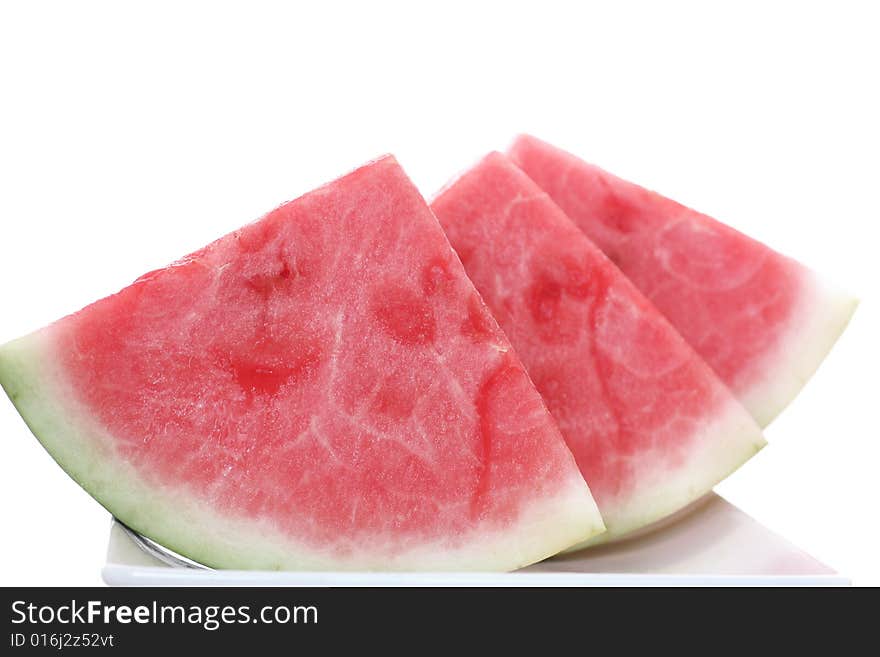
(651, 426)
(763, 321)
(322, 389)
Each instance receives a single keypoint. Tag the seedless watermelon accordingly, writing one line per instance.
(322, 389)
(651, 426)
(763, 321)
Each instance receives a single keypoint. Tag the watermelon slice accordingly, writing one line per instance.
(761, 320)
(651, 426)
(322, 389)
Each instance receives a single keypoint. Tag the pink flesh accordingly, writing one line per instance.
(732, 298)
(626, 390)
(329, 368)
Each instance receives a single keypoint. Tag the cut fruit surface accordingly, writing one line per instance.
(322, 389)
(762, 321)
(651, 426)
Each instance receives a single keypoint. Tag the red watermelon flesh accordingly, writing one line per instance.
(651, 426)
(322, 389)
(763, 321)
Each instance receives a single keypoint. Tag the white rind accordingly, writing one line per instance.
(726, 442)
(178, 520)
(821, 316)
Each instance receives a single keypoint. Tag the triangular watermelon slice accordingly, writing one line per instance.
(651, 426)
(322, 389)
(761, 320)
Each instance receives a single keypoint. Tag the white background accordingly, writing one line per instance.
(130, 136)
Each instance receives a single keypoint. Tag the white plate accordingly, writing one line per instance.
(713, 544)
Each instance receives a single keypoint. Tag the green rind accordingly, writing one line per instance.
(821, 318)
(28, 389)
(725, 445)
(32, 379)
